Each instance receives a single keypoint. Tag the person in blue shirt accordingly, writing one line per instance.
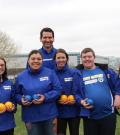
(47, 50)
(68, 111)
(7, 93)
(38, 114)
(101, 85)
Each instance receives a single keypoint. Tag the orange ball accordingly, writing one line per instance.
(71, 98)
(63, 98)
(2, 108)
(9, 105)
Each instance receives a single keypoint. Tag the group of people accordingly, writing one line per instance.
(49, 76)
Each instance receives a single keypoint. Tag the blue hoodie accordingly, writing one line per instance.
(48, 57)
(7, 92)
(66, 79)
(43, 82)
(114, 85)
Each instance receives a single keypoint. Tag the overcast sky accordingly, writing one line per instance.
(77, 24)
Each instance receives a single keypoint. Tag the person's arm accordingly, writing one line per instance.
(12, 98)
(114, 81)
(56, 90)
(78, 87)
(18, 92)
(115, 84)
(117, 93)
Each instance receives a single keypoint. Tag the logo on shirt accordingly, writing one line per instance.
(47, 59)
(7, 87)
(93, 79)
(45, 78)
(68, 79)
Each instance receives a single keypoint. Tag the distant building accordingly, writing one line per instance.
(102, 60)
(16, 64)
(74, 59)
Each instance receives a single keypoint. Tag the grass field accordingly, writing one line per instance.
(20, 128)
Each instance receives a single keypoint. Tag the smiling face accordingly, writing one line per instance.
(61, 60)
(2, 67)
(47, 40)
(88, 60)
(35, 61)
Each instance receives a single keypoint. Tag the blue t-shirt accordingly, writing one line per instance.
(97, 89)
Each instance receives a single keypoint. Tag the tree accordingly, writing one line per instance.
(7, 46)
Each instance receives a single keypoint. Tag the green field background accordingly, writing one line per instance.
(20, 127)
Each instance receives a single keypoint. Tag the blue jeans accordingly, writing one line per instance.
(40, 128)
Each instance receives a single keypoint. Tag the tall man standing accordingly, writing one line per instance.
(47, 50)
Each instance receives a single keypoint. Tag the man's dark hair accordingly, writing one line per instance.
(86, 50)
(46, 30)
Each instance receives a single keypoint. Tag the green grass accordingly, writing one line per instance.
(20, 128)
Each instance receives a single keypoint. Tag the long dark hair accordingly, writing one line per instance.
(4, 75)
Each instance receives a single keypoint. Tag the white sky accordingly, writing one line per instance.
(77, 24)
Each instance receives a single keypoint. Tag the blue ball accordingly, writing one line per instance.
(89, 101)
(36, 96)
(28, 98)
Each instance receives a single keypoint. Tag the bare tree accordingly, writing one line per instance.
(7, 46)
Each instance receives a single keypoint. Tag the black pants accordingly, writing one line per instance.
(7, 132)
(73, 124)
(105, 126)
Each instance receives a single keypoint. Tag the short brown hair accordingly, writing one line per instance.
(86, 50)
